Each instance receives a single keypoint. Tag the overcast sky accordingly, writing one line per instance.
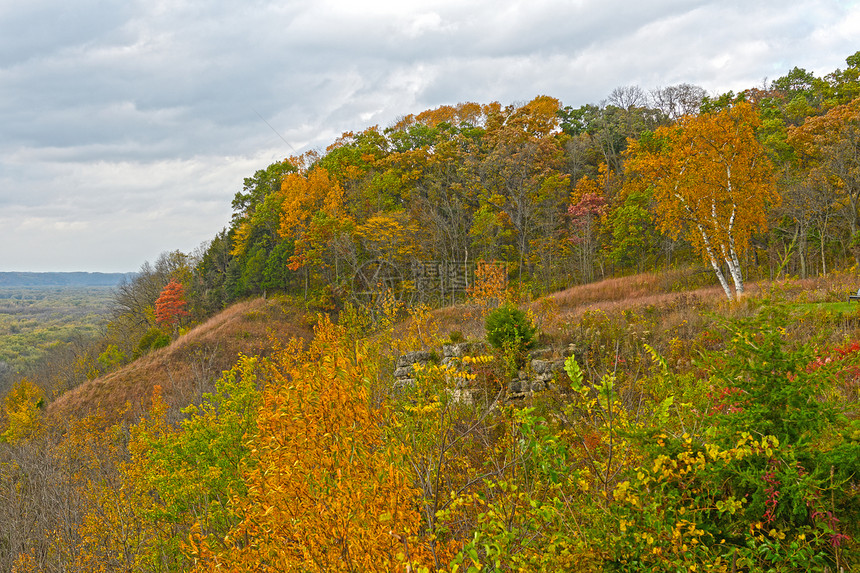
(126, 126)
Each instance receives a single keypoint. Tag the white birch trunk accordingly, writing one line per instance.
(714, 264)
(732, 260)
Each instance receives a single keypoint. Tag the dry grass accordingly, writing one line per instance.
(611, 295)
(189, 366)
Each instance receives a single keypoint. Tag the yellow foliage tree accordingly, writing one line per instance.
(23, 407)
(309, 201)
(325, 492)
(123, 528)
(712, 181)
(390, 236)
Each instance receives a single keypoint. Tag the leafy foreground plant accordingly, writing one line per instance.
(324, 491)
(292, 466)
(760, 477)
(509, 327)
(767, 483)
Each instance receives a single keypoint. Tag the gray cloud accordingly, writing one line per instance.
(127, 126)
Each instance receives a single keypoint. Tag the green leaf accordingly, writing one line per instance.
(574, 372)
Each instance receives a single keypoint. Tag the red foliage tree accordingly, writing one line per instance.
(170, 306)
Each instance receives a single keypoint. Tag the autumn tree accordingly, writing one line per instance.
(712, 181)
(828, 149)
(134, 301)
(433, 158)
(170, 305)
(325, 492)
(22, 412)
(520, 171)
(587, 213)
(312, 217)
(169, 481)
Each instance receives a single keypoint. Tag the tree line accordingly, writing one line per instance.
(562, 194)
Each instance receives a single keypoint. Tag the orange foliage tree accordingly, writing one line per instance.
(310, 200)
(490, 287)
(170, 305)
(712, 181)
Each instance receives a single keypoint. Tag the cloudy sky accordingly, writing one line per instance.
(126, 126)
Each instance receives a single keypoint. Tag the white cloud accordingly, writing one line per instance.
(128, 126)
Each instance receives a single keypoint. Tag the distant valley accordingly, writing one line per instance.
(72, 279)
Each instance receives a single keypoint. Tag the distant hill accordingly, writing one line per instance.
(78, 279)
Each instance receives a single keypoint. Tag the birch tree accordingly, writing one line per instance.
(712, 183)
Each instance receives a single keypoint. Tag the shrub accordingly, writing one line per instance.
(152, 340)
(508, 328)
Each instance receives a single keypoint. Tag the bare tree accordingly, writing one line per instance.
(677, 101)
(628, 97)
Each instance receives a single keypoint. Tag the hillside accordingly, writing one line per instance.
(188, 367)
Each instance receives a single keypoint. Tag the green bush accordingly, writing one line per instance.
(152, 340)
(508, 328)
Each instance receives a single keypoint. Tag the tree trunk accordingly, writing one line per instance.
(715, 265)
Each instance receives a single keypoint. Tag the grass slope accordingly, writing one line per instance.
(188, 367)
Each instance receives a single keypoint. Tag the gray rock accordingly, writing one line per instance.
(452, 350)
(462, 396)
(541, 366)
(403, 372)
(411, 358)
(540, 353)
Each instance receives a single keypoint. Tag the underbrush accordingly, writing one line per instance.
(684, 434)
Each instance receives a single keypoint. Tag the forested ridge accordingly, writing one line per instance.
(686, 257)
